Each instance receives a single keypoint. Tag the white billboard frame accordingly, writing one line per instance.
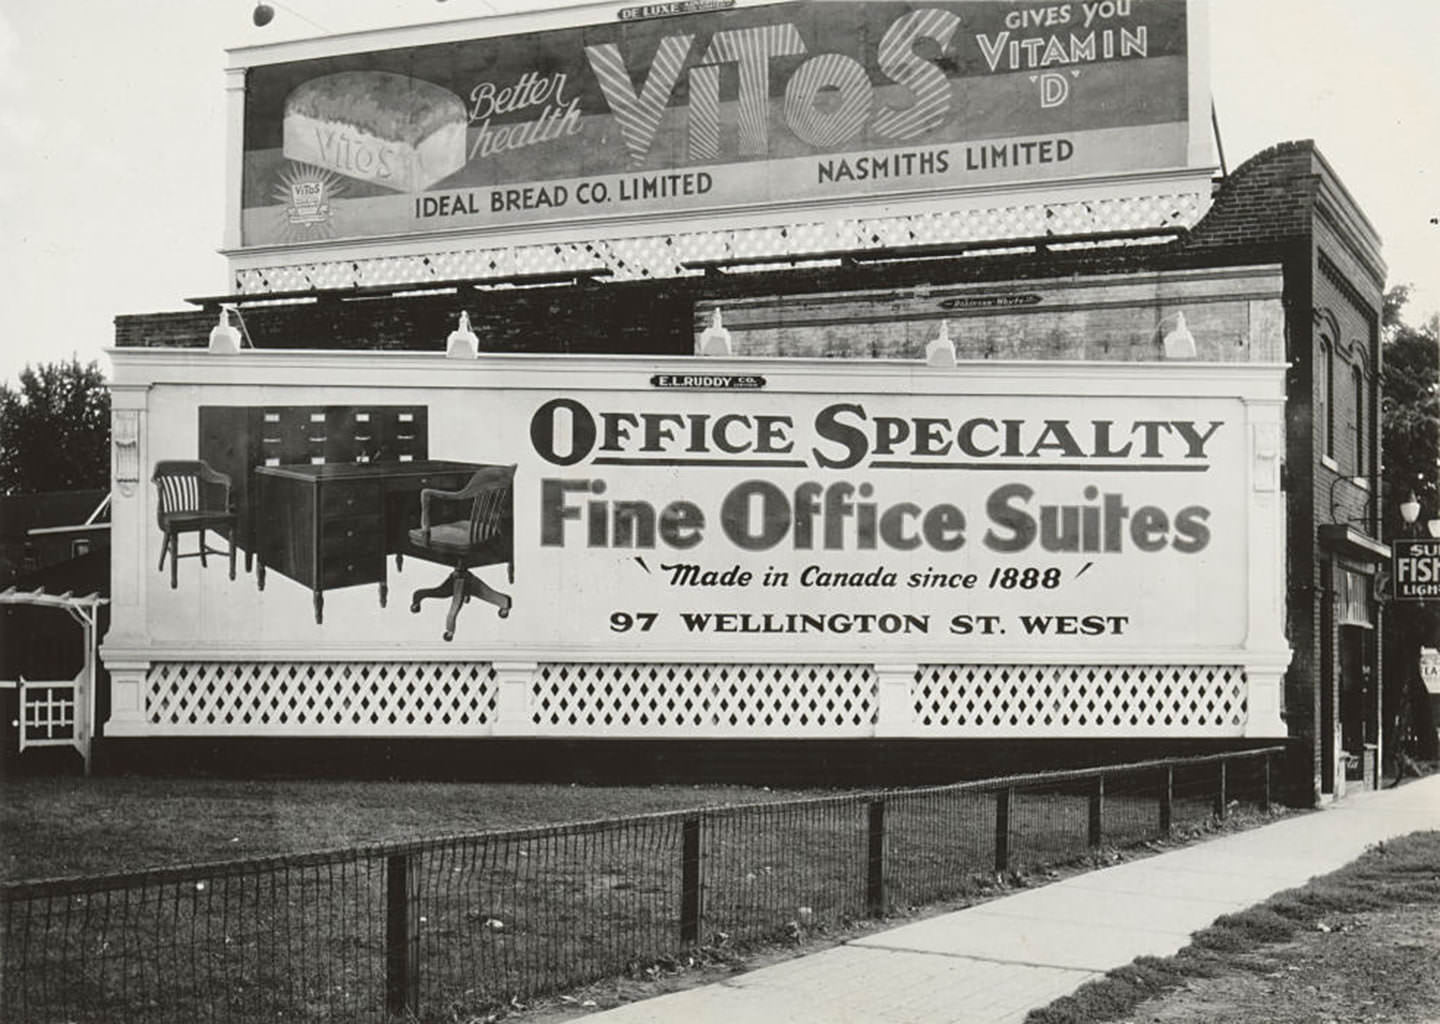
(146, 380)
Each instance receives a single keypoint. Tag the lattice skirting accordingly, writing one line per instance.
(1072, 700)
(277, 698)
(704, 700)
(664, 255)
(610, 699)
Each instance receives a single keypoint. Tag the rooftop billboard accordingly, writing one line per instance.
(724, 108)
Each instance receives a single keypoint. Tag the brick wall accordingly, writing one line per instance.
(1268, 198)
(1346, 298)
(592, 318)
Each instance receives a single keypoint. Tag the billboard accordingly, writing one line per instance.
(734, 108)
(637, 511)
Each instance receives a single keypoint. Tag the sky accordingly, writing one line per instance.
(112, 138)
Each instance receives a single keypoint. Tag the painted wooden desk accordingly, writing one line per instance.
(332, 525)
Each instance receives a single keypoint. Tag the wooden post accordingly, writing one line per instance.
(1003, 799)
(1097, 807)
(402, 976)
(1220, 801)
(690, 881)
(1265, 791)
(875, 863)
(1167, 800)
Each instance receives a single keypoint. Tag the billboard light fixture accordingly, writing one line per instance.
(224, 338)
(462, 343)
(940, 350)
(1179, 342)
(715, 340)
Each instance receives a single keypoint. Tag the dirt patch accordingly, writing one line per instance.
(1375, 966)
(1361, 944)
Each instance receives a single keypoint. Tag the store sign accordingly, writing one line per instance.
(1415, 568)
(1430, 669)
(711, 381)
(705, 109)
(731, 524)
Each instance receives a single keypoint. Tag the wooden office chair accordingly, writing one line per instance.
(191, 498)
(484, 537)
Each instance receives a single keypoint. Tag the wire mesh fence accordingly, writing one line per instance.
(441, 929)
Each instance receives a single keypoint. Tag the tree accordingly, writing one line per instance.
(1410, 397)
(55, 429)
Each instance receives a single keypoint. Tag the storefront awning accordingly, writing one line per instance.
(1344, 539)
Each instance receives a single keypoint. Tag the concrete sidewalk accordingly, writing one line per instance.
(993, 963)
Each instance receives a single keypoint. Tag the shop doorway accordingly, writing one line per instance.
(1357, 699)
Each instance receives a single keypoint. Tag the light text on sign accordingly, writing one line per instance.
(709, 381)
(1416, 569)
(829, 99)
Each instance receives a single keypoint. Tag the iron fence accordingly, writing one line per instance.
(442, 929)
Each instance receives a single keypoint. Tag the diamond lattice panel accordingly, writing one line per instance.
(664, 255)
(332, 698)
(1080, 700)
(704, 700)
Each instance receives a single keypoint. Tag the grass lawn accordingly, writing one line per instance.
(490, 919)
(1360, 944)
(56, 827)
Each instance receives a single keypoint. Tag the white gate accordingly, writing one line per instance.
(59, 712)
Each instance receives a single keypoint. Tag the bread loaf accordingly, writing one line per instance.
(377, 126)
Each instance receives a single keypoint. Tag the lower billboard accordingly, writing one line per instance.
(530, 508)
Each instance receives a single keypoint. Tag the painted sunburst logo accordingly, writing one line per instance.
(305, 194)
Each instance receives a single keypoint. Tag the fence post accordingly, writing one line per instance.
(875, 864)
(1167, 800)
(1003, 800)
(1097, 807)
(690, 881)
(1220, 800)
(1265, 792)
(402, 976)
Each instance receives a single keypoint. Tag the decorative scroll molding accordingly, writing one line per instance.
(125, 431)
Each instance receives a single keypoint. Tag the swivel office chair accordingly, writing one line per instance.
(484, 537)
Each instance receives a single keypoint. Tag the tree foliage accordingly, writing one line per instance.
(55, 429)
(1410, 390)
(1410, 396)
